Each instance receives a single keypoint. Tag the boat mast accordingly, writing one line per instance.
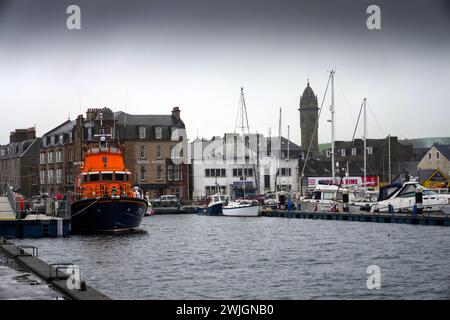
(389, 157)
(280, 153)
(365, 147)
(333, 173)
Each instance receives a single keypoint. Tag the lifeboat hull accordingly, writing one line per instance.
(106, 215)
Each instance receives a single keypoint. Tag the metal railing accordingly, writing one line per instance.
(12, 200)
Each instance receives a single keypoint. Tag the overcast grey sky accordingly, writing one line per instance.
(149, 56)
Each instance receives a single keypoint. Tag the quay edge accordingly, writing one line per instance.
(422, 219)
(48, 272)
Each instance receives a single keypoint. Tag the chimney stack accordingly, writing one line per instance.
(176, 112)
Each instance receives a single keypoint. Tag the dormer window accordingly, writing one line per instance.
(61, 138)
(52, 140)
(173, 133)
(141, 132)
(158, 132)
(353, 151)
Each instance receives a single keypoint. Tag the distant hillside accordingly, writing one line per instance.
(425, 142)
(416, 143)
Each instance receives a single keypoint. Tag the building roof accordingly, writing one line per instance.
(64, 127)
(17, 149)
(148, 120)
(444, 149)
(308, 99)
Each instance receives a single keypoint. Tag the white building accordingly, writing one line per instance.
(232, 165)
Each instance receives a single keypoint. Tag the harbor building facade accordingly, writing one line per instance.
(62, 149)
(349, 157)
(19, 162)
(155, 152)
(238, 164)
(434, 167)
(148, 140)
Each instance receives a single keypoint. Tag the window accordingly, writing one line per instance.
(158, 152)
(107, 176)
(50, 157)
(173, 133)
(369, 150)
(61, 138)
(343, 152)
(52, 140)
(42, 158)
(158, 132)
(408, 192)
(142, 151)
(159, 172)
(141, 132)
(353, 151)
(177, 173)
(437, 155)
(207, 173)
(429, 155)
(94, 177)
(119, 177)
(170, 172)
(171, 153)
(42, 176)
(328, 153)
(210, 190)
(143, 173)
(90, 134)
(285, 172)
(58, 176)
(237, 172)
(58, 156)
(50, 176)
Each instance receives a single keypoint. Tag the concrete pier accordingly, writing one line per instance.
(418, 219)
(32, 226)
(53, 274)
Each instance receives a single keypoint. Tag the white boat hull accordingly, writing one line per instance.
(245, 211)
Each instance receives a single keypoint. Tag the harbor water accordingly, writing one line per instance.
(206, 257)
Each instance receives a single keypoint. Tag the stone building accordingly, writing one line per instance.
(308, 117)
(19, 162)
(61, 151)
(349, 155)
(224, 165)
(154, 152)
(148, 141)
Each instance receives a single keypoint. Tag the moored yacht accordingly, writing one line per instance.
(242, 208)
(402, 198)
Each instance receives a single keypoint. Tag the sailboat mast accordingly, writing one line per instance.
(389, 158)
(288, 145)
(333, 173)
(365, 147)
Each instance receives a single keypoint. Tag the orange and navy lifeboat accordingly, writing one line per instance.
(106, 201)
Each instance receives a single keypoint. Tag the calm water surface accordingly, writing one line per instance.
(200, 257)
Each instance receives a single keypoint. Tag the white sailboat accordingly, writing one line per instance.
(242, 208)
